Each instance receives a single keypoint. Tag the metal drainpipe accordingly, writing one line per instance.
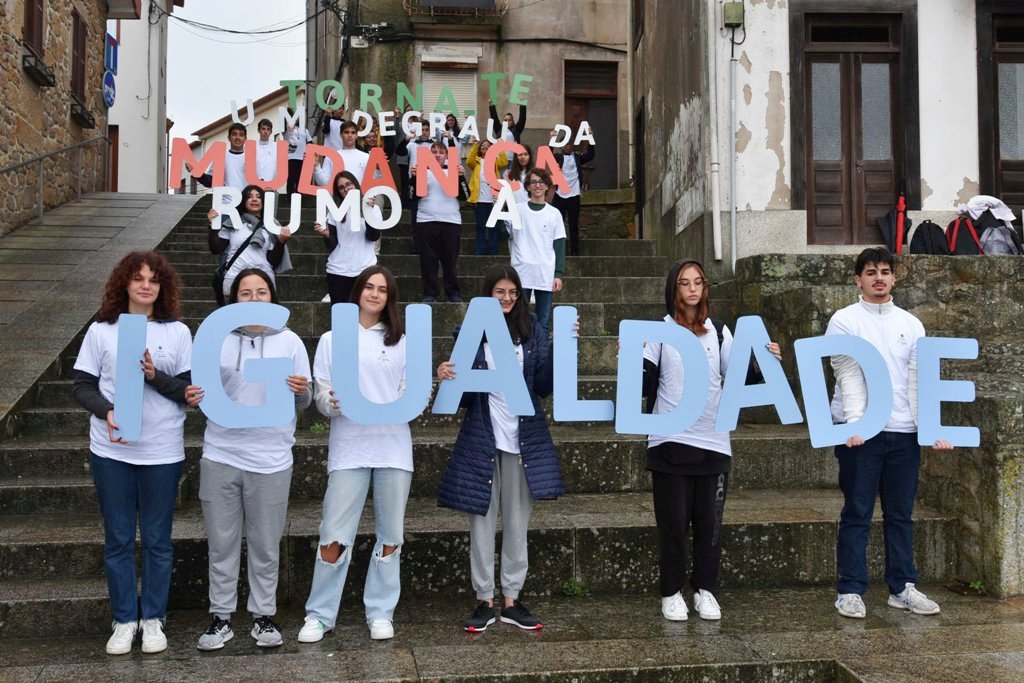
(716, 195)
(733, 156)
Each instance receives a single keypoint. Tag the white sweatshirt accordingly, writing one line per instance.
(894, 333)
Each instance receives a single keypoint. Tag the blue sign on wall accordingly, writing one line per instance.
(110, 55)
(109, 90)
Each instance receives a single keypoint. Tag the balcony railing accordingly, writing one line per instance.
(456, 8)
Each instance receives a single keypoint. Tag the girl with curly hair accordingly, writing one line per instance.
(137, 479)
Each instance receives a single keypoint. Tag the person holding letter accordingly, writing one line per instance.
(689, 470)
(358, 454)
(245, 473)
(884, 465)
(503, 461)
(350, 251)
(439, 229)
(137, 479)
(482, 198)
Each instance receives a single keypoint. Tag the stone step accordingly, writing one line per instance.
(764, 635)
(410, 287)
(193, 248)
(606, 543)
(48, 476)
(469, 266)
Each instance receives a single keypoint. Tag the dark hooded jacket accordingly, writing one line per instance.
(466, 482)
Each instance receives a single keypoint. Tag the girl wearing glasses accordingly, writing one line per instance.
(689, 470)
(245, 473)
(350, 251)
(503, 461)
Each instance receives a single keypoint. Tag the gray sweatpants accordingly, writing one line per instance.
(509, 490)
(235, 501)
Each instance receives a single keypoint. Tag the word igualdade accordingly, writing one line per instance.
(484, 318)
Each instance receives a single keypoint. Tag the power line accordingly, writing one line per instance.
(252, 32)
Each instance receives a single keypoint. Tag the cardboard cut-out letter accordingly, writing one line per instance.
(386, 123)
(374, 214)
(129, 380)
(448, 179)
(545, 159)
(270, 208)
(293, 89)
(584, 134)
(933, 391)
(337, 94)
(520, 89)
(410, 127)
(306, 175)
(289, 120)
(492, 156)
(568, 406)
(563, 134)
(279, 406)
(484, 317)
(249, 115)
(346, 378)
(347, 211)
(213, 158)
(378, 172)
(505, 208)
(469, 130)
(363, 121)
(632, 335)
(369, 93)
(227, 208)
(809, 353)
(407, 98)
(752, 337)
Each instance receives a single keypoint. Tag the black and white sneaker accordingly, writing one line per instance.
(483, 616)
(266, 633)
(214, 638)
(518, 615)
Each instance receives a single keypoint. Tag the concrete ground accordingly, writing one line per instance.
(764, 634)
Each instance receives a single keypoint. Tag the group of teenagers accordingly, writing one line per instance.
(436, 218)
(500, 463)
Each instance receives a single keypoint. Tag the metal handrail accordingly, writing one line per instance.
(39, 159)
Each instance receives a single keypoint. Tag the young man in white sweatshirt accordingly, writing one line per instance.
(886, 464)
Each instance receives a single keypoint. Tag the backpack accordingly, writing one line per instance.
(962, 238)
(929, 239)
(999, 239)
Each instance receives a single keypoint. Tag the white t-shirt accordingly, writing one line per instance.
(332, 134)
(381, 380)
(532, 248)
(234, 174)
(266, 159)
(415, 145)
(354, 252)
(163, 421)
(484, 195)
(355, 161)
(895, 333)
(297, 139)
(572, 176)
(702, 433)
(252, 257)
(436, 206)
(504, 424)
(521, 195)
(264, 450)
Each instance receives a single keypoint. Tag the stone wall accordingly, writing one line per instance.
(979, 297)
(36, 120)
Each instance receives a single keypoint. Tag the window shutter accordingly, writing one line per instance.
(78, 56)
(463, 86)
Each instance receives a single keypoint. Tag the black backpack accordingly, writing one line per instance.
(962, 238)
(929, 239)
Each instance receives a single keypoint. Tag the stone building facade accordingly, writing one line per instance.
(37, 117)
(838, 105)
(575, 51)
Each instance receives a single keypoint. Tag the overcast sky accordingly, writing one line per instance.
(206, 70)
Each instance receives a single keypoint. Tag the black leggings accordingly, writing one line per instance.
(340, 288)
(680, 500)
(294, 171)
(570, 208)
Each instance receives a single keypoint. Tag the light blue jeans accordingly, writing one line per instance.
(343, 506)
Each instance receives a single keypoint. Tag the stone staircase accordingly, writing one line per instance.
(780, 521)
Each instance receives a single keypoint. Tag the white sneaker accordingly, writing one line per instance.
(153, 638)
(706, 605)
(382, 629)
(851, 605)
(913, 600)
(120, 642)
(312, 631)
(326, 299)
(674, 608)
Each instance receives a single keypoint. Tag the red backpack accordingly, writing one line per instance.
(963, 238)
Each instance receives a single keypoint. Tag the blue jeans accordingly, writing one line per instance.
(486, 238)
(886, 466)
(343, 506)
(125, 491)
(542, 306)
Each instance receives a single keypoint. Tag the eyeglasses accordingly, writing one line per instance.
(535, 182)
(346, 186)
(698, 283)
(512, 294)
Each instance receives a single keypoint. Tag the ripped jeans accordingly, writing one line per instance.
(343, 507)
